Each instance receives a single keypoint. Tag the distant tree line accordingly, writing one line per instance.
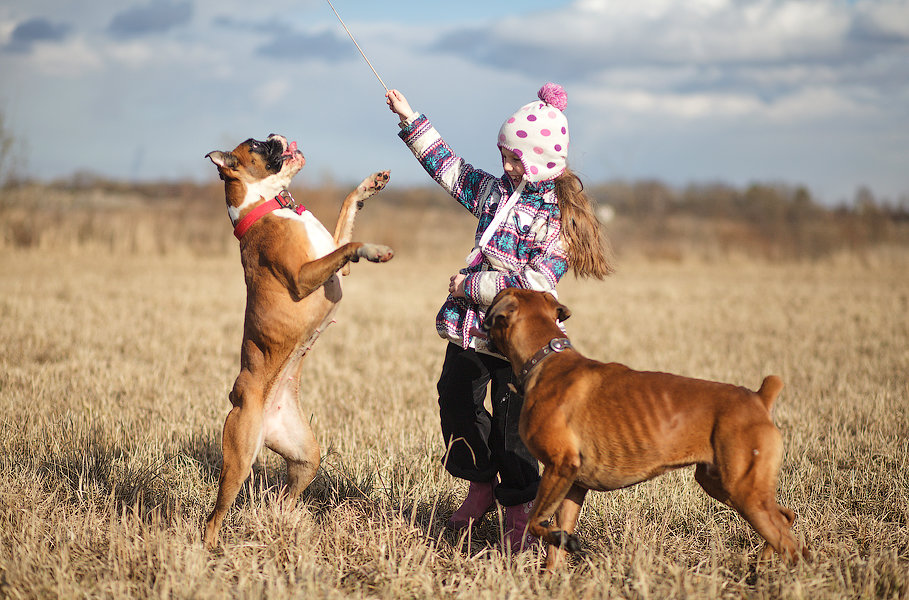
(770, 220)
(645, 198)
(757, 202)
(644, 217)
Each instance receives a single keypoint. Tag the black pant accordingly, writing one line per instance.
(481, 446)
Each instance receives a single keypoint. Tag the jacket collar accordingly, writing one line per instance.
(544, 190)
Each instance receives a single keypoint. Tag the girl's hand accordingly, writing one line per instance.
(398, 104)
(456, 285)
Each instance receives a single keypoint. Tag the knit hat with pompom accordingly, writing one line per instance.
(538, 134)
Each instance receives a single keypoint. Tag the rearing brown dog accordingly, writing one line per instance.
(603, 426)
(291, 265)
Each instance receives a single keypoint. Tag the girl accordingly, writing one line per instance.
(534, 223)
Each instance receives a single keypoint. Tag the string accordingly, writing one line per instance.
(357, 45)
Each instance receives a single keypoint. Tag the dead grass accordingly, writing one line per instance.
(115, 368)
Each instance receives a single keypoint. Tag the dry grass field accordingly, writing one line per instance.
(118, 349)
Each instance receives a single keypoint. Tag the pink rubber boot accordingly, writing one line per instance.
(516, 537)
(477, 503)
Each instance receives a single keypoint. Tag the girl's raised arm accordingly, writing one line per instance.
(398, 104)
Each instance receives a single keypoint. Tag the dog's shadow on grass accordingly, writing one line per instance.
(360, 489)
(92, 465)
(335, 483)
(409, 506)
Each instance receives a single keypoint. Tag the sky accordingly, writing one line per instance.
(810, 93)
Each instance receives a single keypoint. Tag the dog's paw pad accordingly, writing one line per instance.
(375, 182)
(375, 253)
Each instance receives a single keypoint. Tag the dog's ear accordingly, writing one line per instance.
(499, 312)
(224, 160)
(562, 311)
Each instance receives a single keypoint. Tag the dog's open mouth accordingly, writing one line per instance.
(290, 150)
(277, 151)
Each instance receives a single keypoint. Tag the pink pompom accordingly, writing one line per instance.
(554, 95)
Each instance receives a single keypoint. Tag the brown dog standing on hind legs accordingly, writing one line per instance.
(291, 264)
(597, 426)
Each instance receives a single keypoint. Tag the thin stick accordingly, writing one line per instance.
(357, 45)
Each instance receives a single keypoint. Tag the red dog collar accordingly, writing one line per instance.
(282, 200)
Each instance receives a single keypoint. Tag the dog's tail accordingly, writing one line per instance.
(770, 389)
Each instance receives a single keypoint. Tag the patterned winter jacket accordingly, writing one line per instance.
(526, 251)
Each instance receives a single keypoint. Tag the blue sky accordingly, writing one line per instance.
(801, 92)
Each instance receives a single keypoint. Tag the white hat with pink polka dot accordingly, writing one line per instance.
(538, 134)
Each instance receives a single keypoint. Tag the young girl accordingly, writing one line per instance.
(534, 223)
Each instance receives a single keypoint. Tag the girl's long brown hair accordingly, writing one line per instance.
(589, 252)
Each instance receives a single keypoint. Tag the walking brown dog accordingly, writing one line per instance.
(291, 264)
(603, 426)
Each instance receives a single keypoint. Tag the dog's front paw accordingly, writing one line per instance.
(564, 540)
(373, 184)
(375, 253)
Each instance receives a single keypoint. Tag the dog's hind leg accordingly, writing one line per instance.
(767, 518)
(751, 484)
(240, 442)
(290, 435)
(708, 477)
(789, 517)
(567, 521)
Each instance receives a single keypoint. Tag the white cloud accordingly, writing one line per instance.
(272, 93)
(71, 60)
(888, 17)
(597, 36)
(614, 105)
(815, 104)
(137, 53)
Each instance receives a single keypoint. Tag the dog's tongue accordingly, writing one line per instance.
(291, 148)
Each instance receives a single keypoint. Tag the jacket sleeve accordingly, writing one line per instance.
(548, 263)
(468, 185)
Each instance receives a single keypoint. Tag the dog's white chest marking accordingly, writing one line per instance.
(266, 188)
(322, 242)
